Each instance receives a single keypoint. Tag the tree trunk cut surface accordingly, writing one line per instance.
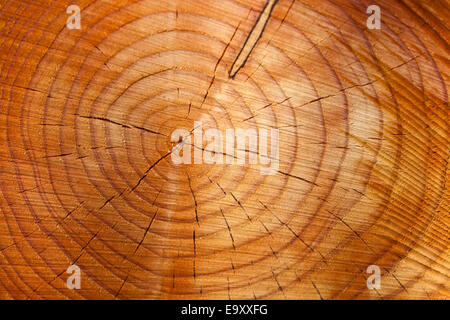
(87, 171)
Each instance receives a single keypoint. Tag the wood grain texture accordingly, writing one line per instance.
(86, 176)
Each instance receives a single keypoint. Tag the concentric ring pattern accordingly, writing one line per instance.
(87, 177)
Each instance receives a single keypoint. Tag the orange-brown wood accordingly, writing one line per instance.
(86, 171)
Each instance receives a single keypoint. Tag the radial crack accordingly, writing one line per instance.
(240, 205)
(217, 65)
(148, 171)
(146, 231)
(311, 249)
(356, 233)
(253, 37)
(317, 290)
(128, 126)
(229, 229)
(195, 199)
(297, 177)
